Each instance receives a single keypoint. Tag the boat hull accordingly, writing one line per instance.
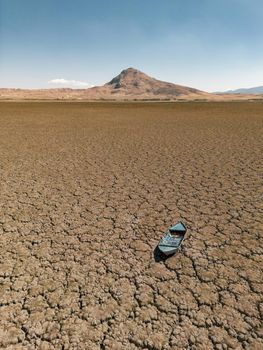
(168, 250)
(172, 240)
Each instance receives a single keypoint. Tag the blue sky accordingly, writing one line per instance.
(207, 44)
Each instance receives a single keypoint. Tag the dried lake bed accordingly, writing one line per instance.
(86, 192)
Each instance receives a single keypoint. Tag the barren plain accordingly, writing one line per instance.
(86, 191)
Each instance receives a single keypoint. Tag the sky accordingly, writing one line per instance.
(212, 45)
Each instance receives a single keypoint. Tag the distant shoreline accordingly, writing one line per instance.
(141, 101)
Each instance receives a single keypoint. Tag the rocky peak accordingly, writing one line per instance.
(128, 77)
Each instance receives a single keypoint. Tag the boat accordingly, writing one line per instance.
(172, 240)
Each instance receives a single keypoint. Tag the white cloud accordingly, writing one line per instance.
(70, 83)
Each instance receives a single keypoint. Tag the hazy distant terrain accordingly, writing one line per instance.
(87, 190)
(130, 84)
(253, 90)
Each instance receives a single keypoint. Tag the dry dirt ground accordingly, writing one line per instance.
(87, 191)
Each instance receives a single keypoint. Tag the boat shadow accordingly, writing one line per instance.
(159, 256)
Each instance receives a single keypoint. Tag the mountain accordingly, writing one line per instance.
(254, 90)
(134, 82)
(130, 84)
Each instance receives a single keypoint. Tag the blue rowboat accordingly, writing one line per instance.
(172, 239)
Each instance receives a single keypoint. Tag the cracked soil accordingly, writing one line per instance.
(87, 190)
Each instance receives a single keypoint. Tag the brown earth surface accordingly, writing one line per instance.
(87, 191)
